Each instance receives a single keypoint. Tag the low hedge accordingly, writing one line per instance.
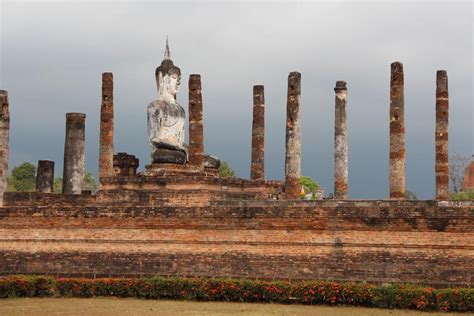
(242, 290)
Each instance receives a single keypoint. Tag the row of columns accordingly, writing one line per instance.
(75, 132)
(73, 174)
(73, 168)
(74, 145)
(341, 164)
(196, 129)
(73, 154)
(75, 127)
(397, 134)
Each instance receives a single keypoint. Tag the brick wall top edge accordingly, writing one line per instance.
(12, 197)
(189, 179)
(352, 202)
(220, 199)
(234, 211)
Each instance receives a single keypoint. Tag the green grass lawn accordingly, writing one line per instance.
(126, 306)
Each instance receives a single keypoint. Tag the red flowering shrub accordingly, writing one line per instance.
(332, 293)
(455, 299)
(241, 290)
(26, 286)
(404, 296)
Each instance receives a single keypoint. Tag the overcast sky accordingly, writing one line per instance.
(53, 55)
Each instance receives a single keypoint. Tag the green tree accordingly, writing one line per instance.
(410, 195)
(89, 182)
(225, 171)
(463, 195)
(22, 178)
(58, 185)
(309, 185)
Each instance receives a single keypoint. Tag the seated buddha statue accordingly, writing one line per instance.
(166, 118)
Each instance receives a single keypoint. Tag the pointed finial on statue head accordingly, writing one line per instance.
(167, 51)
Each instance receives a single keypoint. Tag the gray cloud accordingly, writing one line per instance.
(53, 54)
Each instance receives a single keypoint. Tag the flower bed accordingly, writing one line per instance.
(242, 290)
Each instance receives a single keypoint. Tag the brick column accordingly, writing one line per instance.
(441, 136)
(106, 146)
(293, 137)
(468, 181)
(4, 142)
(341, 167)
(45, 176)
(397, 133)
(196, 129)
(73, 174)
(257, 167)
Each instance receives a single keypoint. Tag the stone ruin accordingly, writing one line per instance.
(468, 179)
(171, 156)
(178, 217)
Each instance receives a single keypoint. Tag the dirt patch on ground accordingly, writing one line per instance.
(116, 306)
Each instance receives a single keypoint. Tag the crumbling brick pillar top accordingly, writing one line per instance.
(45, 176)
(125, 165)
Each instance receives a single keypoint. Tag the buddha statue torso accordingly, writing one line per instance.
(166, 125)
(166, 118)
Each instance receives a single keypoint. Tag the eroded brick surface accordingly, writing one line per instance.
(125, 165)
(377, 241)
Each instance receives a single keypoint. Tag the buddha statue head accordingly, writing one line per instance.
(167, 78)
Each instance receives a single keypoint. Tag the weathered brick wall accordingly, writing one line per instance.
(378, 241)
(163, 190)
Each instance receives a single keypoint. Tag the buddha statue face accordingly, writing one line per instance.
(167, 78)
(170, 83)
